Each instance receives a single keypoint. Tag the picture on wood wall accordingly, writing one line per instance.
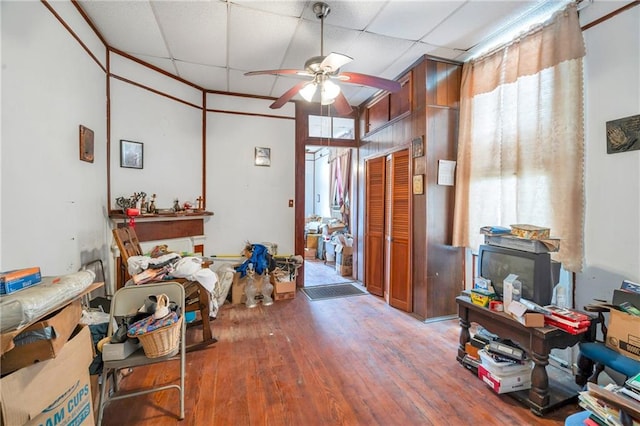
(86, 144)
(623, 134)
(418, 184)
(417, 149)
(131, 154)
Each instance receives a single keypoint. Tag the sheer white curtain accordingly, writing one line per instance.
(521, 153)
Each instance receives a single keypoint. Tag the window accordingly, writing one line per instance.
(331, 127)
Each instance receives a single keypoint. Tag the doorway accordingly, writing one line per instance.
(327, 205)
(388, 229)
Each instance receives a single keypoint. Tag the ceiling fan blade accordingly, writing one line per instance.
(288, 95)
(342, 105)
(334, 61)
(280, 72)
(369, 80)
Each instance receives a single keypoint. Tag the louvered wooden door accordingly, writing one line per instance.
(387, 225)
(397, 233)
(374, 225)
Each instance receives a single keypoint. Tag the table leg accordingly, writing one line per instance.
(539, 393)
(464, 332)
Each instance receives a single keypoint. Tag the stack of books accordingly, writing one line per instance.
(612, 404)
(569, 320)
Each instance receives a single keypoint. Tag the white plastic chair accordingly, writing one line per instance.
(125, 302)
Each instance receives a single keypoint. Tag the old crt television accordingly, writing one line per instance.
(536, 271)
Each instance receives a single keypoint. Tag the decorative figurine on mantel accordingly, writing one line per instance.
(152, 205)
(176, 205)
(200, 201)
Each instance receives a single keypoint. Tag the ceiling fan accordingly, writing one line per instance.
(322, 70)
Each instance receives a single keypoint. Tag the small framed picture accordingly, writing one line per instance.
(86, 144)
(263, 156)
(417, 149)
(131, 154)
(418, 184)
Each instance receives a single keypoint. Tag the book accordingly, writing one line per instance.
(629, 308)
(17, 279)
(567, 314)
(495, 230)
(565, 327)
(633, 382)
(573, 324)
(630, 286)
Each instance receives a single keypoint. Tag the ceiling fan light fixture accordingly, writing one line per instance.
(308, 91)
(328, 92)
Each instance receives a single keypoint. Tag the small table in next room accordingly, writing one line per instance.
(545, 394)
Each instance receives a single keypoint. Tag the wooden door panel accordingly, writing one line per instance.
(374, 225)
(400, 285)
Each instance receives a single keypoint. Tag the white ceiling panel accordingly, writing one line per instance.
(257, 37)
(412, 20)
(211, 43)
(213, 78)
(195, 31)
(128, 25)
(475, 22)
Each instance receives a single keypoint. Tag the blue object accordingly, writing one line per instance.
(599, 353)
(577, 419)
(258, 260)
(190, 316)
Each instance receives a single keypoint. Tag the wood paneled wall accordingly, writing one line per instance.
(434, 88)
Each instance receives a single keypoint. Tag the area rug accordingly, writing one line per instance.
(332, 291)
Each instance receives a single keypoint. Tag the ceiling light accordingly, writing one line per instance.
(308, 91)
(328, 92)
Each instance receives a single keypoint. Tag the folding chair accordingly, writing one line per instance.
(197, 297)
(126, 302)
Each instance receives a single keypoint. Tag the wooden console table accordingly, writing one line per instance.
(544, 394)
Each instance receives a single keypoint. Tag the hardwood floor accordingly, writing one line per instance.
(316, 272)
(348, 361)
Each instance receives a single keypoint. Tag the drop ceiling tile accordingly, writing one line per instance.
(164, 64)
(128, 26)
(373, 54)
(258, 40)
(255, 84)
(412, 20)
(284, 8)
(195, 31)
(347, 14)
(207, 77)
(475, 22)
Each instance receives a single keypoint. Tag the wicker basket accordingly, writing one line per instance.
(162, 341)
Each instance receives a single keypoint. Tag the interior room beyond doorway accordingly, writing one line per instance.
(327, 216)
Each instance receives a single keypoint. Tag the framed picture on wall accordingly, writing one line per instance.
(86, 144)
(263, 156)
(131, 154)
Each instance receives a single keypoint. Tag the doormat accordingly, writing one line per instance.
(332, 291)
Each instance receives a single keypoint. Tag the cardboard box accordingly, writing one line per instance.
(17, 279)
(118, 351)
(284, 290)
(53, 392)
(344, 260)
(623, 334)
(312, 240)
(310, 253)
(32, 347)
(504, 384)
(238, 295)
(532, 319)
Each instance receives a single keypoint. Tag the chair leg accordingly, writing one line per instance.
(585, 370)
(596, 372)
(203, 307)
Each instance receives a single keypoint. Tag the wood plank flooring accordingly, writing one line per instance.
(316, 272)
(348, 361)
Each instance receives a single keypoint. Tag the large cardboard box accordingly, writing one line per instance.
(344, 260)
(623, 334)
(312, 240)
(53, 392)
(31, 344)
(238, 295)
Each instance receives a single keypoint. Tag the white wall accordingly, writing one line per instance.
(612, 181)
(54, 205)
(250, 203)
(171, 133)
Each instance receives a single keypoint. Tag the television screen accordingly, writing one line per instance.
(533, 271)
